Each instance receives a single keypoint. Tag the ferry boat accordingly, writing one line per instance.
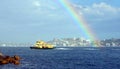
(42, 45)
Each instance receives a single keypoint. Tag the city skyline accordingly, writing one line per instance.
(31, 20)
(69, 42)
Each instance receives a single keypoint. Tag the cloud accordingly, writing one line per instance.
(99, 11)
(45, 8)
(102, 18)
(36, 4)
(46, 5)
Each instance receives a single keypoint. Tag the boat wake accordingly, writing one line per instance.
(63, 49)
(115, 49)
(91, 49)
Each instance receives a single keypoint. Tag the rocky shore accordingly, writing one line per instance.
(8, 59)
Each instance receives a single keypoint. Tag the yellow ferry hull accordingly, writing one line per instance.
(40, 48)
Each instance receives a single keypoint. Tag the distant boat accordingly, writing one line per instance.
(42, 45)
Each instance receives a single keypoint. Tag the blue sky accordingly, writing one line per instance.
(31, 20)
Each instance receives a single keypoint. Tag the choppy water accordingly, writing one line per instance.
(64, 58)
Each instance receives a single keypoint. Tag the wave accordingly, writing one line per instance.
(26, 64)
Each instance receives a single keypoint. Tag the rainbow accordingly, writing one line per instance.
(79, 20)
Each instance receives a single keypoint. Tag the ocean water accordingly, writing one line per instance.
(64, 58)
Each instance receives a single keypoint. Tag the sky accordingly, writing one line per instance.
(31, 20)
